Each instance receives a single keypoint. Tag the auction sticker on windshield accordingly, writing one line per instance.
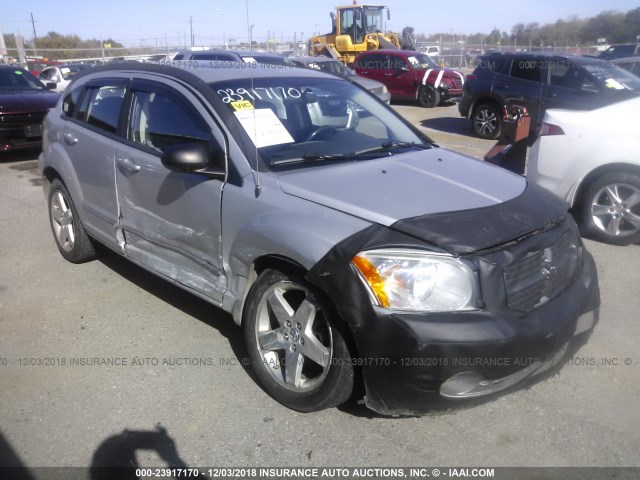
(263, 127)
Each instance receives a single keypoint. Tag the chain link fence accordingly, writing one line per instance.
(446, 54)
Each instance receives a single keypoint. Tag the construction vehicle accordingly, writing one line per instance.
(358, 28)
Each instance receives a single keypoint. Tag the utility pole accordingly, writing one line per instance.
(191, 24)
(33, 24)
(3, 46)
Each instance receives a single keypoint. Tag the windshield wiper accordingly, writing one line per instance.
(312, 157)
(391, 145)
(318, 157)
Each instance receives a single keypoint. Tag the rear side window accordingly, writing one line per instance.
(101, 107)
(212, 57)
(374, 61)
(160, 119)
(527, 69)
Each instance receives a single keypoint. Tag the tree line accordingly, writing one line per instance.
(61, 43)
(616, 27)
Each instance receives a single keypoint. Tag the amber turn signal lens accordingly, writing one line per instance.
(371, 275)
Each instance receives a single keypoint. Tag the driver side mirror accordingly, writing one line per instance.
(51, 85)
(401, 68)
(194, 157)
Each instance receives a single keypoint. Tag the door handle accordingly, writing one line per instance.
(501, 85)
(128, 166)
(549, 94)
(364, 72)
(69, 139)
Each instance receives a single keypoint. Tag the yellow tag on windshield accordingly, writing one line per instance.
(242, 105)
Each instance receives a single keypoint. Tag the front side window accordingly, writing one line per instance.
(70, 102)
(293, 120)
(159, 120)
(568, 75)
(101, 107)
(373, 19)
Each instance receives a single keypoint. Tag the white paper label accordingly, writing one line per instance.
(263, 127)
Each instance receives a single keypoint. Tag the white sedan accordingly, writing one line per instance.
(61, 75)
(592, 161)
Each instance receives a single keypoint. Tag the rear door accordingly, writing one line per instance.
(371, 66)
(522, 84)
(170, 220)
(89, 137)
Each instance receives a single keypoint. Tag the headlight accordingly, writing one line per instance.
(417, 281)
(385, 89)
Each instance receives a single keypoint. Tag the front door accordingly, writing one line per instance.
(170, 221)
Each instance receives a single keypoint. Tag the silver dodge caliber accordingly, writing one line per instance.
(360, 259)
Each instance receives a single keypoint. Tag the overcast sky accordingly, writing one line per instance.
(146, 22)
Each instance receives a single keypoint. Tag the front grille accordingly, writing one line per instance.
(457, 83)
(542, 275)
(10, 120)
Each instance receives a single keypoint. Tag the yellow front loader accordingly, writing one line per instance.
(358, 28)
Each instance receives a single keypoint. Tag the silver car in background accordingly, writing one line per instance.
(330, 65)
(359, 258)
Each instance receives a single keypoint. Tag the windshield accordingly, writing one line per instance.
(14, 79)
(307, 120)
(329, 66)
(421, 60)
(612, 77)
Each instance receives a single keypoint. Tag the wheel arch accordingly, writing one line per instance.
(583, 185)
(288, 266)
(49, 174)
(482, 101)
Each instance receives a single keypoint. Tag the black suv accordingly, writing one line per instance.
(539, 82)
(620, 51)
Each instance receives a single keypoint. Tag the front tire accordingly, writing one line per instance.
(73, 242)
(610, 209)
(486, 121)
(295, 344)
(428, 96)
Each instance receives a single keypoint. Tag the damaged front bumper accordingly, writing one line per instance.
(540, 302)
(427, 362)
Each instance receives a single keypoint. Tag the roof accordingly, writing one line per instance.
(579, 59)
(311, 59)
(234, 71)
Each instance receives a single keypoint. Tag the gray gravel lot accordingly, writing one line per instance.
(217, 415)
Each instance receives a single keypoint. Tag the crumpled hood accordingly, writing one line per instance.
(24, 102)
(404, 186)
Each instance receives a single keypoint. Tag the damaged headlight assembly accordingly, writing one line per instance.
(417, 281)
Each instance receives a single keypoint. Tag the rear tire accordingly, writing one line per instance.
(295, 344)
(73, 242)
(486, 121)
(609, 210)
